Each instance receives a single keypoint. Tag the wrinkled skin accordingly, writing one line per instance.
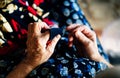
(84, 40)
(38, 48)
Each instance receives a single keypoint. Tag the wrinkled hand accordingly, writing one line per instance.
(38, 50)
(85, 41)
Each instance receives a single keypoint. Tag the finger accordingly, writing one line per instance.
(89, 33)
(78, 28)
(36, 28)
(86, 31)
(29, 30)
(45, 36)
(72, 27)
(82, 38)
(53, 43)
(70, 43)
(44, 25)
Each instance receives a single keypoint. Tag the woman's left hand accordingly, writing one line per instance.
(85, 41)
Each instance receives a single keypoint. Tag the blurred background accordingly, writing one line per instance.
(104, 17)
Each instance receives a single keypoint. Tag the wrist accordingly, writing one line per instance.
(28, 63)
(105, 62)
(21, 70)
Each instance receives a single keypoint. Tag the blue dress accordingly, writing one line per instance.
(65, 61)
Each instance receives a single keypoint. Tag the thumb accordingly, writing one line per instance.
(52, 44)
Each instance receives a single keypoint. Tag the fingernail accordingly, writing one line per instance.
(30, 23)
(58, 36)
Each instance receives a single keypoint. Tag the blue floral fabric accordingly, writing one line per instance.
(65, 62)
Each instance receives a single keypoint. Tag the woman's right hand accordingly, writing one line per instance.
(38, 48)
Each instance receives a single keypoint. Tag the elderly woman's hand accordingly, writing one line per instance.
(84, 40)
(38, 48)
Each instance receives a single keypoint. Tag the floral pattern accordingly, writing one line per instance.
(65, 62)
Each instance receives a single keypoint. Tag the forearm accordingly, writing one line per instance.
(21, 70)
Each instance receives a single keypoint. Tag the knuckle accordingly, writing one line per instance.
(94, 34)
(37, 40)
(86, 27)
(89, 43)
(77, 33)
(78, 27)
(54, 40)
